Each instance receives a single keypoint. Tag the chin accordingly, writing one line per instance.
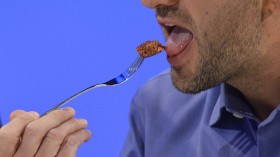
(182, 82)
(186, 88)
(189, 83)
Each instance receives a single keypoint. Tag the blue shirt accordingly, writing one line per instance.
(215, 123)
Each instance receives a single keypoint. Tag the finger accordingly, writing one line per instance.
(16, 113)
(72, 142)
(36, 130)
(10, 133)
(55, 137)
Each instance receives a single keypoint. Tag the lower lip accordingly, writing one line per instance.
(178, 58)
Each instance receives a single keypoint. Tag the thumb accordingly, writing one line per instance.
(16, 113)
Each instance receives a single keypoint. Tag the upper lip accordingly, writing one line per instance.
(168, 24)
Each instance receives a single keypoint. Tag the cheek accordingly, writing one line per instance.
(194, 9)
(202, 11)
(194, 57)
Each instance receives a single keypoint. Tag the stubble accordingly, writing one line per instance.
(227, 46)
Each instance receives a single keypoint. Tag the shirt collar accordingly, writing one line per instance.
(230, 100)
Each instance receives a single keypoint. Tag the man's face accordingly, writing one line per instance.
(209, 41)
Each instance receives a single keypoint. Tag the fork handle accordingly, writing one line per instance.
(71, 98)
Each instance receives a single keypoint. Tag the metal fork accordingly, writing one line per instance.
(115, 81)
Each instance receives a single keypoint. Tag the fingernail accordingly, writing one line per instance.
(69, 109)
(84, 121)
(33, 114)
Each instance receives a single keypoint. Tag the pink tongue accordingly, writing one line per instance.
(177, 41)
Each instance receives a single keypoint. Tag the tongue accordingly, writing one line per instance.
(177, 41)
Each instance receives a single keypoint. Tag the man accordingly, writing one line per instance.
(224, 57)
(56, 134)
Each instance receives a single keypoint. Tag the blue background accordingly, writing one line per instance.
(53, 48)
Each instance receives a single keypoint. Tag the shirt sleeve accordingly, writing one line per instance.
(134, 144)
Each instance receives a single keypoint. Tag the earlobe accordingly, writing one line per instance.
(269, 7)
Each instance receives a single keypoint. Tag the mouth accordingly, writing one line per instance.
(168, 27)
(177, 37)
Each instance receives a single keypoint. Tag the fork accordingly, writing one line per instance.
(121, 78)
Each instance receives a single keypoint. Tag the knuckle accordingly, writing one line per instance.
(72, 141)
(79, 122)
(59, 114)
(32, 129)
(24, 118)
(54, 134)
(56, 114)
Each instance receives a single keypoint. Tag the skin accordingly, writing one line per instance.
(56, 134)
(236, 42)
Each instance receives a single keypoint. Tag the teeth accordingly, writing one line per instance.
(169, 24)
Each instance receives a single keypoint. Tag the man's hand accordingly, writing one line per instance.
(56, 134)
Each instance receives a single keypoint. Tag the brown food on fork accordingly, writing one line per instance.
(150, 48)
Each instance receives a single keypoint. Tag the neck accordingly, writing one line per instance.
(264, 100)
(260, 84)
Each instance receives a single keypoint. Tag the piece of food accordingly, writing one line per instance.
(150, 48)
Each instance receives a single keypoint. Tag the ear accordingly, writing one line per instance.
(269, 7)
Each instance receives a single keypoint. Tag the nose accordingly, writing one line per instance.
(156, 3)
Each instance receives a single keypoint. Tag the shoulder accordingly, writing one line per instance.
(157, 86)
(161, 114)
(159, 96)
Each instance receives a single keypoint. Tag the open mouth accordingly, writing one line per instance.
(168, 28)
(178, 38)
